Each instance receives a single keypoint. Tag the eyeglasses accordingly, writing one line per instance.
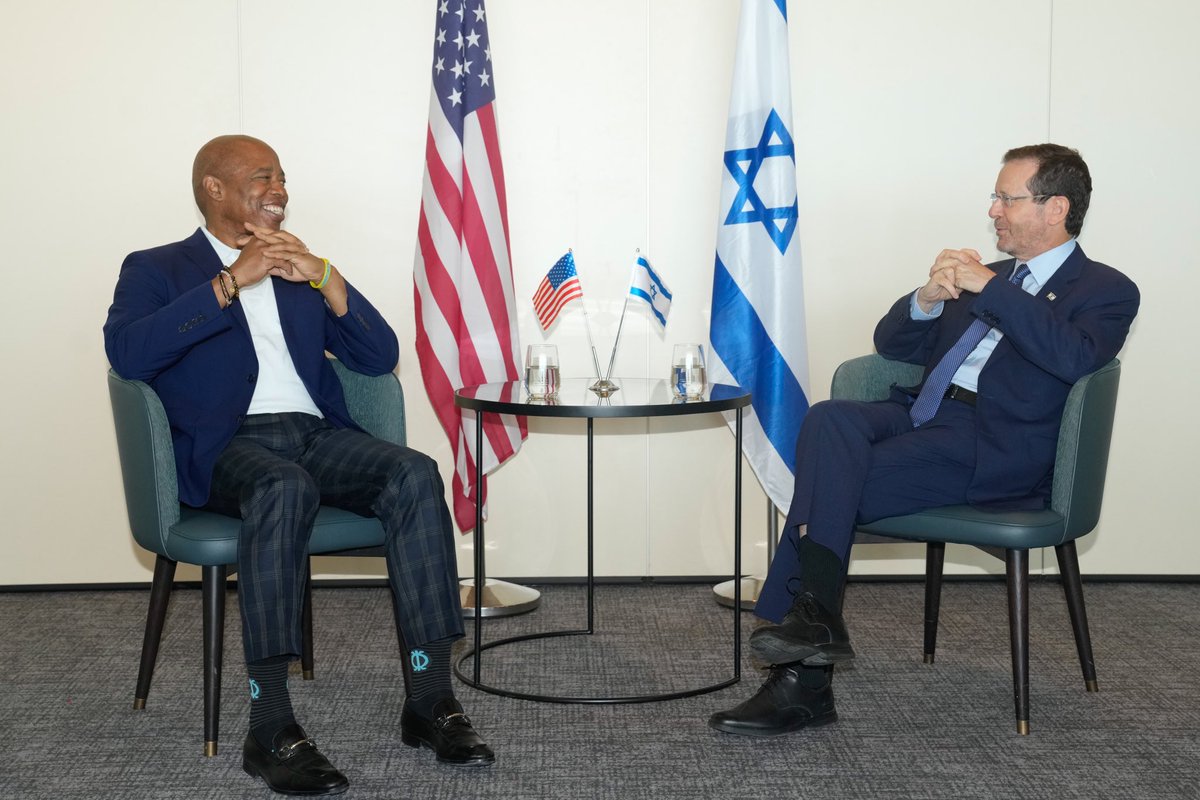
(1008, 199)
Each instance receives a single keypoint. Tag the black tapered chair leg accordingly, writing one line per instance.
(935, 559)
(160, 597)
(1017, 570)
(213, 601)
(1068, 565)
(306, 625)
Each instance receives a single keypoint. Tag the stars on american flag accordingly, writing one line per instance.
(461, 54)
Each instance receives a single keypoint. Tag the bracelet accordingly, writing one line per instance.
(224, 288)
(324, 278)
(236, 291)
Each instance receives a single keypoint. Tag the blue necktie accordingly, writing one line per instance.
(934, 390)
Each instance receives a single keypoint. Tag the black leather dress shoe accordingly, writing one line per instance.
(809, 634)
(781, 706)
(449, 734)
(294, 765)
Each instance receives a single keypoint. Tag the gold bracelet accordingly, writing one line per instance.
(236, 291)
(224, 288)
(324, 278)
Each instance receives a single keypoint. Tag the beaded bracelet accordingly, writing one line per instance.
(324, 278)
(236, 291)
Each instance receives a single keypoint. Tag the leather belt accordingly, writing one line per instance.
(956, 392)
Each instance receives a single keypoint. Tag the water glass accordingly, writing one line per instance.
(541, 371)
(688, 378)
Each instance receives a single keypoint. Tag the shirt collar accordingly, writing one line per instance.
(228, 254)
(1042, 267)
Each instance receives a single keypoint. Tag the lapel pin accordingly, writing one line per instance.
(1050, 296)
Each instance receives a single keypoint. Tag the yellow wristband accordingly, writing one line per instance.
(324, 278)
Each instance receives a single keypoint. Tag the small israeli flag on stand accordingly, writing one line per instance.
(647, 285)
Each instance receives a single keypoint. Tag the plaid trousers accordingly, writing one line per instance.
(274, 475)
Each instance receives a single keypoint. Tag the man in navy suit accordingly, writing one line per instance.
(230, 327)
(1002, 345)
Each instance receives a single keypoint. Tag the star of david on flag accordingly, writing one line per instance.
(647, 285)
(749, 206)
(559, 287)
(757, 333)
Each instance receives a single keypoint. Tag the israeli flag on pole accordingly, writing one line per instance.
(646, 284)
(757, 338)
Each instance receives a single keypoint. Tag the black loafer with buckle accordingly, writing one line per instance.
(449, 734)
(293, 765)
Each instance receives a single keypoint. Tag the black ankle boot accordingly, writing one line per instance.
(783, 704)
(810, 634)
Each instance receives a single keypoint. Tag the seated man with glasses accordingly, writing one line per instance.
(1002, 344)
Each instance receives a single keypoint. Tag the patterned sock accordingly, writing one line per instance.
(270, 703)
(821, 573)
(429, 671)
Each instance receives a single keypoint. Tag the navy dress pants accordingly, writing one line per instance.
(858, 462)
(274, 475)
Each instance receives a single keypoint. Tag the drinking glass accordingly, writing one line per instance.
(541, 371)
(688, 379)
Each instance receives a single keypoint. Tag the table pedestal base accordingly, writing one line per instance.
(543, 698)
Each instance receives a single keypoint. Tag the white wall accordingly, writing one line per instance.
(612, 119)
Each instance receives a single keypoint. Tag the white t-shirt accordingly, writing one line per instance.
(278, 388)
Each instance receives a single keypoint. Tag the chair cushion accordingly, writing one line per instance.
(1020, 530)
(207, 538)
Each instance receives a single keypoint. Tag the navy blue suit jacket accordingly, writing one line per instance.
(165, 327)
(1075, 324)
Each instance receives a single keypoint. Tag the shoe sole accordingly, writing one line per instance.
(416, 741)
(253, 772)
(761, 733)
(775, 650)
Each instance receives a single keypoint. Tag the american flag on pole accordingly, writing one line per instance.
(465, 306)
(559, 287)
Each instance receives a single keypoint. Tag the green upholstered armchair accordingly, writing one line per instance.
(177, 533)
(1079, 470)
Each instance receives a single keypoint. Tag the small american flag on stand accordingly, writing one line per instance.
(559, 287)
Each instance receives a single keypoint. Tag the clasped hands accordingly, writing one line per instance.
(953, 272)
(279, 253)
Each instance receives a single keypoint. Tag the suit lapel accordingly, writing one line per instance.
(200, 252)
(1064, 278)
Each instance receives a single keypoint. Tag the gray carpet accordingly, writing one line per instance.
(907, 730)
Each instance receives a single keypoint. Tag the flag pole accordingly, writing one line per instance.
(587, 324)
(602, 386)
(620, 323)
(617, 341)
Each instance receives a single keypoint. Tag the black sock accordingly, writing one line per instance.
(812, 677)
(270, 703)
(429, 675)
(822, 573)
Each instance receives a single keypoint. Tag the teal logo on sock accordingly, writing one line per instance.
(419, 660)
(255, 689)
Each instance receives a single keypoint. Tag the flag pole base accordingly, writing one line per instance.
(723, 593)
(500, 598)
(604, 387)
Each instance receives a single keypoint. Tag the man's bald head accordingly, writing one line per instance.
(237, 180)
(217, 158)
